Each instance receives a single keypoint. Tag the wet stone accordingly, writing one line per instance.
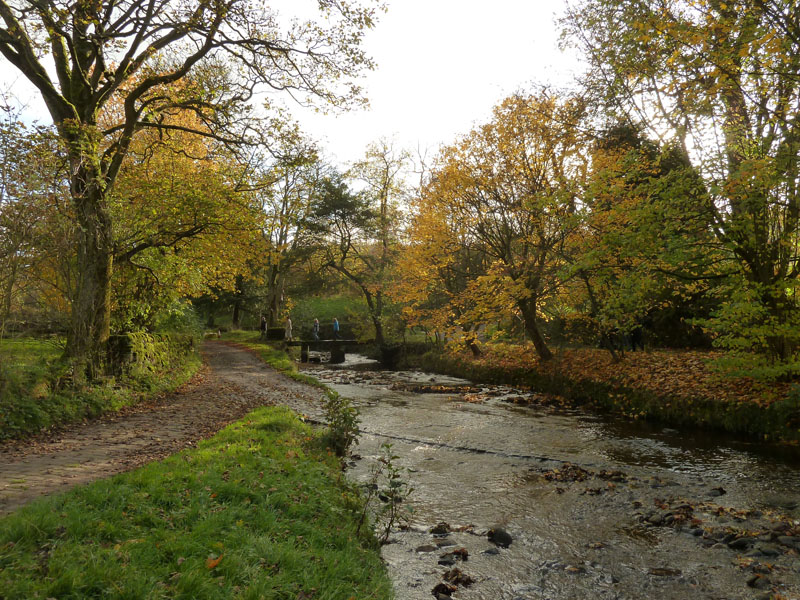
(781, 527)
(719, 546)
(457, 577)
(788, 540)
(655, 518)
(741, 543)
(441, 528)
(768, 549)
(716, 492)
(443, 591)
(758, 582)
(426, 548)
(500, 537)
(450, 558)
(491, 551)
(663, 572)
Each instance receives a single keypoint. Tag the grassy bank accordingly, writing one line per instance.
(35, 393)
(257, 511)
(675, 388)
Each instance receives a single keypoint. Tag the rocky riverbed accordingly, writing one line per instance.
(515, 497)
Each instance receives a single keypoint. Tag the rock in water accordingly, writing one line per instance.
(441, 528)
(500, 537)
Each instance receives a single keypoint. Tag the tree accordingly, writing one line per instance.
(436, 267)
(287, 203)
(643, 246)
(33, 228)
(138, 50)
(721, 80)
(515, 182)
(363, 228)
(181, 227)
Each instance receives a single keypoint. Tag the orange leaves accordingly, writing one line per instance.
(668, 373)
(212, 563)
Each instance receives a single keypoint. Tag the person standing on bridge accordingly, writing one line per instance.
(315, 329)
(287, 333)
(335, 328)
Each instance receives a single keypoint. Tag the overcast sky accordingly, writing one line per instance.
(441, 67)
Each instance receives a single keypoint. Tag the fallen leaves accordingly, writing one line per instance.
(212, 563)
(668, 373)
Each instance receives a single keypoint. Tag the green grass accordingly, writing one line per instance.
(258, 511)
(326, 308)
(29, 354)
(34, 393)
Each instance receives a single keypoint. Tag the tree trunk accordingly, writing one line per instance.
(237, 302)
(274, 296)
(9, 290)
(528, 309)
(374, 308)
(91, 308)
(471, 340)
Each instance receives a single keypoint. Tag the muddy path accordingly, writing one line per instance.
(232, 383)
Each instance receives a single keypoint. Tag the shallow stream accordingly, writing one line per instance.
(595, 507)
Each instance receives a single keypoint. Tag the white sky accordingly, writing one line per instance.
(441, 67)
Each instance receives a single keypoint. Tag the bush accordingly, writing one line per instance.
(342, 419)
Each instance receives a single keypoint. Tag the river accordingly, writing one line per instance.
(595, 507)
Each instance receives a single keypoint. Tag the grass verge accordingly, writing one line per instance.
(32, 397)
(258, 511)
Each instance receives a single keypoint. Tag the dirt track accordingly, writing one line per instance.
(232, 383)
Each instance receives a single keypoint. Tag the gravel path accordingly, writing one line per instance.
(232, 383)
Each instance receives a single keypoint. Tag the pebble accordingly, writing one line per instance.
(763, 550)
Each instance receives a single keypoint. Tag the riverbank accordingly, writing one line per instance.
(258, 510)
(671, 387)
